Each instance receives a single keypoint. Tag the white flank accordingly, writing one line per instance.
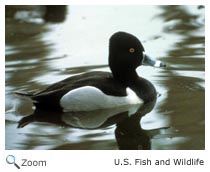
(90, 98)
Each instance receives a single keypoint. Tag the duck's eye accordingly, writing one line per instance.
(131, 50)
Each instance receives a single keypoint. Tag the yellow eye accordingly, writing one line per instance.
(131, 50)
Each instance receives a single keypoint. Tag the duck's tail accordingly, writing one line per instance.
(23, 95)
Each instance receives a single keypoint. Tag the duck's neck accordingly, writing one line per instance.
(125, 77)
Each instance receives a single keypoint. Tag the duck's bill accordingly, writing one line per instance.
(149, 61)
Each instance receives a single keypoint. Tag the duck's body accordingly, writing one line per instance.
(91, 91)
(98, 90)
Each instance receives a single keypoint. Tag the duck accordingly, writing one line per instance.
(97, 90)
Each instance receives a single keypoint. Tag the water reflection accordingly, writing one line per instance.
(187, 57)
(28, 32)
(185, 78)
(128, 132)
(55, 13)
(37, 13)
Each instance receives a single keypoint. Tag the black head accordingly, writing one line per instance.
(126, 53)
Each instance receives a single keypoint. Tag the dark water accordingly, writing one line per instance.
(46, 44)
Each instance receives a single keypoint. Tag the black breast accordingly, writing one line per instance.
(144, 89)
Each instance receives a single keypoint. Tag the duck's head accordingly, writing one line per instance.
(126, 53)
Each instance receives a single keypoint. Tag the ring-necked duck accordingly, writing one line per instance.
(99, 90)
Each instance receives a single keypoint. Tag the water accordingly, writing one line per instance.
(45, 45)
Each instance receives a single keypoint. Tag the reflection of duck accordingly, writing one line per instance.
(84, 120)
(128, 132)
(103, 90)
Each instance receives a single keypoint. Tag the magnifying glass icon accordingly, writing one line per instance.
(11, 160)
